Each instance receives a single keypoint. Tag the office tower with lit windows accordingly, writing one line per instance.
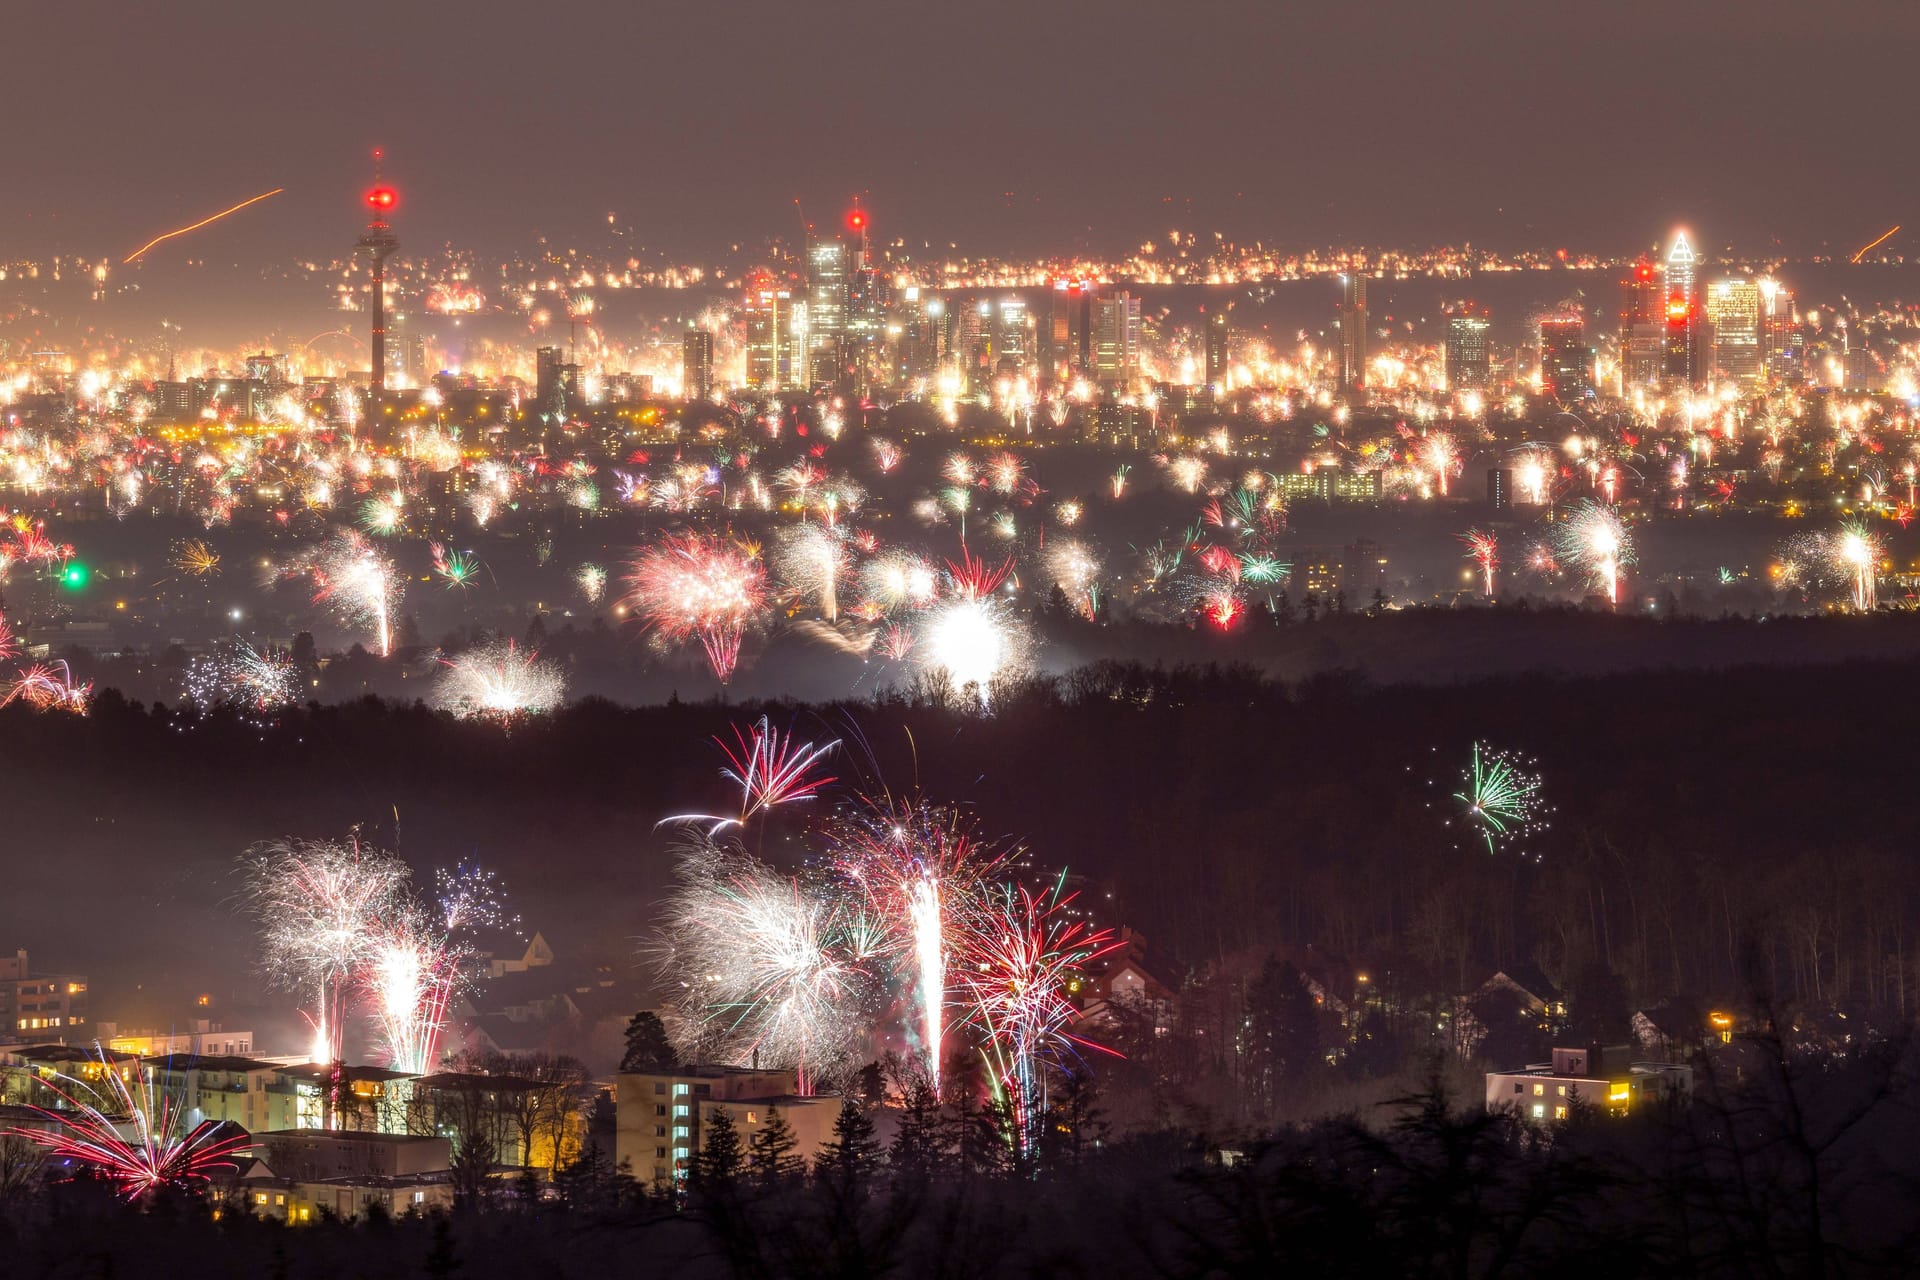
(1566, 361)
(696, 364)
(1012, 337)
(1353, 331)
(1469, 353)
(1733, 319)
(772, 363)
(556, 384)
(1680, 360)
(1116, 340)
(1783, 346)
(1642, 326)
(1063, 344)
(1219, 360)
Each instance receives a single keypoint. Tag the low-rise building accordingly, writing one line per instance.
(32, 1004)
(301, 1175)
(663, 1117)
(1547, 1092)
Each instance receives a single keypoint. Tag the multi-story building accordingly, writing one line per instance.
(1064, 343)
(304, 1175)
(1012, 337)
(556, 383)
(1219, 355)
(1549, 1091)
(1115, 340)
(41, 1005)
(1642, 326)
(239, 1090)
(1783, 346)
(198, 1036)
(1680, 361)
(1353, 331)
(1734, 320)
(1566, 361)
(696, 365)
(772, 363)
(663, 1116)
(1469, 353)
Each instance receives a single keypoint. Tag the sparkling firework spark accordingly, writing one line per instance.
(499, 682)
(1597, 541)
(592, 580)
(972, 642)
(770, 771)
(696, 585)
(349, 573)
(1483, 549)
(158, 1154)
(810, 561)
(1501, 795)
(196, 559)
(319, 905)
(242, 676)
(1859, 554)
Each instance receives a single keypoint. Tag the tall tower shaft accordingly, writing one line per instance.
(378, 243)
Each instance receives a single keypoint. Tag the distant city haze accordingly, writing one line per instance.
(1005, 128)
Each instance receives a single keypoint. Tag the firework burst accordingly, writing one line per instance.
(499, 682)
(1595, 540)
(699, 586)
(157, 1154)
(1500, 794)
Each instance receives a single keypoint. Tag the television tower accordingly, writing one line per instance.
(378, 243)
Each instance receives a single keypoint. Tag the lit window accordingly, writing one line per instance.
(1560, 1090)
(750, 1119)
(1539, 1111)
(1539, 1090)
(1559, 1113)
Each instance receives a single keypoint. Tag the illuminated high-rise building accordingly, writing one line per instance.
(1642, 326)
(1012, 336)
(1783, 347)
(1219, 360)
(1566, 361)
(1469, 353)
(1733, 317)
(556, 383)
(696, 364)
(1116, 340)
(1680, 361)
(772, 363)
(1064, 342)
(1353, 331)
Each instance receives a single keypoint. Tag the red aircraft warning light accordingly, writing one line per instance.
(381, 199)
(857, 220)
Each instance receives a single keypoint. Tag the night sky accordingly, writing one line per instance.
(1008, 127)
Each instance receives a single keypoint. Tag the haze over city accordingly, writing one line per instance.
(768, 640)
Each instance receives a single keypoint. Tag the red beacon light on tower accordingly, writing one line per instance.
(857, 220)
(382, 199)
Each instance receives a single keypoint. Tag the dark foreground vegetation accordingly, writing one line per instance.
(1790, 1165)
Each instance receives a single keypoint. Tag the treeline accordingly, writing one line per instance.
(1784, 1165)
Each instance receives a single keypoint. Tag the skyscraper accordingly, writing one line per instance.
(1116, 340)
(1783, 346)
(1680, 361)
(1733, 313)
(696, 364)
(557, 384)
(771, 361)
(1353, 331)
(1642, 326)
(1219, 354)
(1012, 337)
(1566, 361)
(378, 243)
(1063, 346)
(1469, 357)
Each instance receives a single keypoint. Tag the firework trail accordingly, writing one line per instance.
(1858, 554)
(196, 559)
(195, 226)
(350, 574)
(811, 560)
(770, 771)
(1440, 457)
(1075, 569)
(1117, 482)
(766, 974)
(158, 1154)
(1021, 953)
(922, 873)
(1502, 798)
(244, 677)
(422, 958)
(455, 568)
(9, 644)
(592, 580)
(1484, 549)
(499, 682)
(1596, 541)
(696, 585)
(49, 687)
(319, 906)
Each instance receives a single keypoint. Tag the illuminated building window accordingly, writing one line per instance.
(1539, 1111)
(1539, 1090)
(1559, 1113)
